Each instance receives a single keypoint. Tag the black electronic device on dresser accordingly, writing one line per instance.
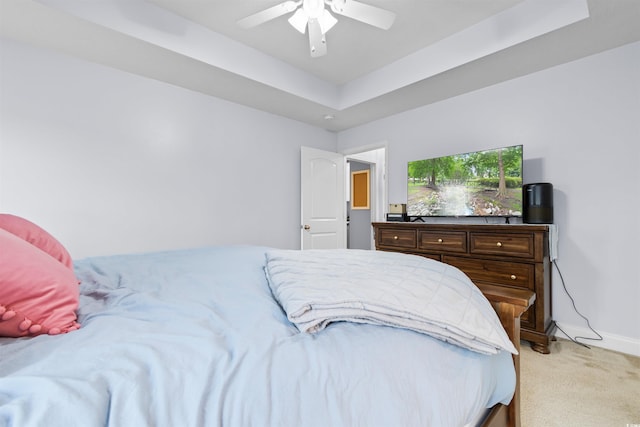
(397, 212)
(397, 217)
(512, 256)
(537, 203)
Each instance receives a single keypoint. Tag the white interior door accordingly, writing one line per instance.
(324, 224)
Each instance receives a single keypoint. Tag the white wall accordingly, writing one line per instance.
(110, 162)
(580, 127)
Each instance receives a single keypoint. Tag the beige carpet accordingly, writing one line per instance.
(581, 387)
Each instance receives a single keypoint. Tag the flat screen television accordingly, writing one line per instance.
(476, 184)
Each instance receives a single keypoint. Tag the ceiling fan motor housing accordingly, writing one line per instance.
(313, 8)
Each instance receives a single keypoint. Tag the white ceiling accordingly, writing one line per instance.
(354, 48)
(435, 49)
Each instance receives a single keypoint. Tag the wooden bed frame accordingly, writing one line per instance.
(509, 303)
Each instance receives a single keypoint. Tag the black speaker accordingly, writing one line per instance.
(537, 203)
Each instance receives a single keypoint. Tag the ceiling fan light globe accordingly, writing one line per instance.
(327, 21)
(299, 21)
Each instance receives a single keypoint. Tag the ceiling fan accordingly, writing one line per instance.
(312, 14)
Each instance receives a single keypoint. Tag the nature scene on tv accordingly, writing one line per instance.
(483, 183)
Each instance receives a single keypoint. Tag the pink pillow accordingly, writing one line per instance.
(38, 294)
(35, 235)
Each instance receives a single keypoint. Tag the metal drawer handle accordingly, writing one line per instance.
(499, 244)
(513, 277)
(440, 240)
(395, 237)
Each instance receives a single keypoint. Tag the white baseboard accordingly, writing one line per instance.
(609, 341)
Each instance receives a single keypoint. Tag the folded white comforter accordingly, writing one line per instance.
(317, 287)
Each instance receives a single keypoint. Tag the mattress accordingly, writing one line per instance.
(195, 337)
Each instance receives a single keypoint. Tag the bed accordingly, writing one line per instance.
(204, 337)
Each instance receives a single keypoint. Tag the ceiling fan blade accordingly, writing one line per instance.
(317, 41)
(362, 12)
(269, 14)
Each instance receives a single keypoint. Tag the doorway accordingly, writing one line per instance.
(359, 230)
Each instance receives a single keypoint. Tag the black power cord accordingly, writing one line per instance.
(575, 339)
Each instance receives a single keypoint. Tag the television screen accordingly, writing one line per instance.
(481, 183)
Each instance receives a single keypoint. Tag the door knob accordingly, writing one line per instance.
(307, 227)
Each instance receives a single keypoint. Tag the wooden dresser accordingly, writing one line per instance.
(508, 255)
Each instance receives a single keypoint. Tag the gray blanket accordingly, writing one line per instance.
(318, 287)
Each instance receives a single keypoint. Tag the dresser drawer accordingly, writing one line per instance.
(516, 245)
(496, 272)
(397, 238)
(455, 242)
